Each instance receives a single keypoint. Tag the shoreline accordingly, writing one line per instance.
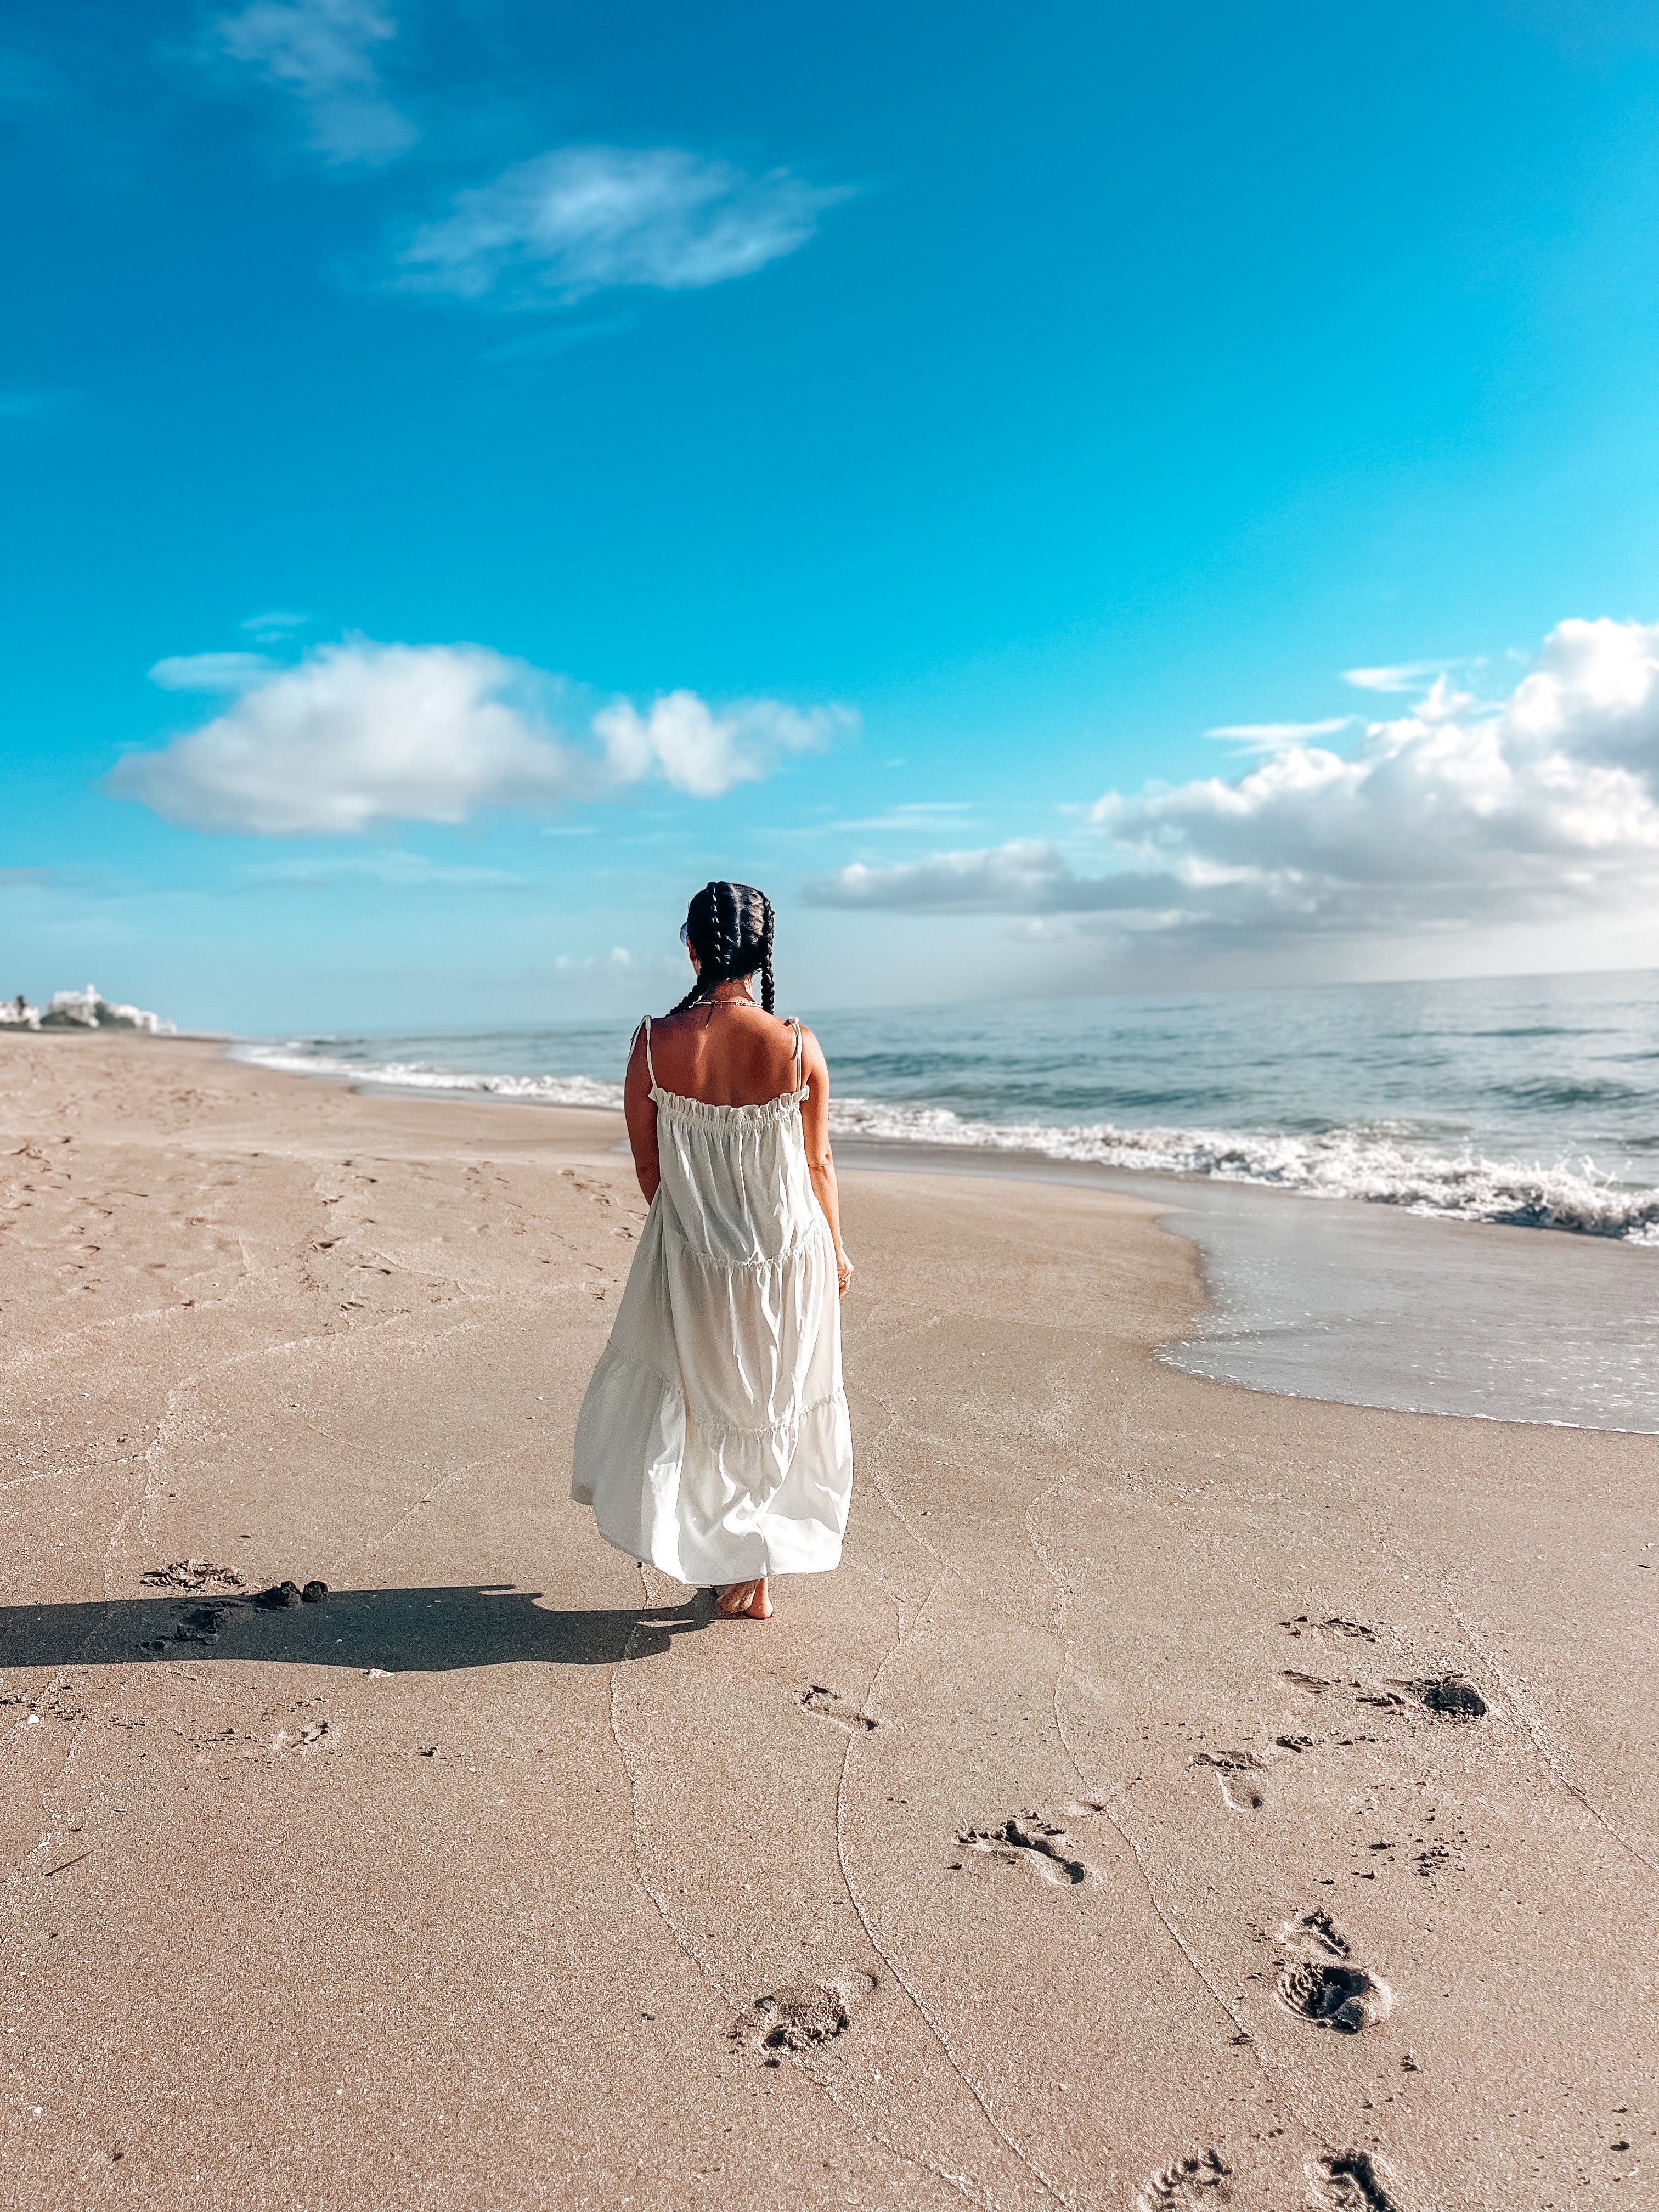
(1013, 1864)
(1377, 1339)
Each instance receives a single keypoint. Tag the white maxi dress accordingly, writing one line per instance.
(714, 1438)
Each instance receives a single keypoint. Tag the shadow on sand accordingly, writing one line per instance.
(470, 1624)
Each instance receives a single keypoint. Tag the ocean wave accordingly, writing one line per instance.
(1364, 1164)
(1354, 1164)
(416, 1075)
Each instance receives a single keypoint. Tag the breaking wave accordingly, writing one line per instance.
(414, 1075)
(1353, 1163)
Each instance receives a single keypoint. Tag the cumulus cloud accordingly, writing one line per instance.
(1457, 814)
(362, 734)
(591, 218)
(320, 50)
(703, 753)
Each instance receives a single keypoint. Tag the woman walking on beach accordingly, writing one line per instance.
(714, 1438)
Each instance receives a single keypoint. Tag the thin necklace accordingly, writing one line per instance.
(744, 1001)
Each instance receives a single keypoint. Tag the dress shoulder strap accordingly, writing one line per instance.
(645, 1028)
(795, 1025)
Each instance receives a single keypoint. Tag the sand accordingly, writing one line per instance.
(1095, 1837)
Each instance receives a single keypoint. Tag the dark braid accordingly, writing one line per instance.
(730, 927)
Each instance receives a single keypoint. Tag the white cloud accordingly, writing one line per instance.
(1274, 737)
(703, 753)
(278, 624)
(589, 218)
(360, 734)
(319, 51)
(398, 869)
(911, 814)
(1403, 676)
(209, 671)
(618, 957)
(1027, 876)
(1543, 809)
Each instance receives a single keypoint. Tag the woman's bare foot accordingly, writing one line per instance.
(738, 1600)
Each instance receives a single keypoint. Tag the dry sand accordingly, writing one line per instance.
(1013, 1865)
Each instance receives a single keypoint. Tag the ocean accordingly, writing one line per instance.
(1440, 1196)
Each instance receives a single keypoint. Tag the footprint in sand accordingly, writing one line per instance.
(1448, 1696)
(1352, 2181)
(1203, 2180)
(1032, 1840)
(830, 1705)
(1239, 1773)
(1329, 1988)
(802, 2017)
(200, 1624)
(1315, 1685)
(1332, 1628)
(1445, 1697)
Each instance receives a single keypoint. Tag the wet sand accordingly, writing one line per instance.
(1181, 1796)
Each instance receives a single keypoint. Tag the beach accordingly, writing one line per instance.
(1181, 1795)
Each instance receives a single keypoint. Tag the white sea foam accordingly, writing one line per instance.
(1364, 1164)
(412, 1075)
(1352, 1164)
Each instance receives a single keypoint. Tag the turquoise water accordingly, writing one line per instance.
(1532, 1102)
(1436, 1197)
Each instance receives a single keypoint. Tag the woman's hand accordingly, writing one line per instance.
(843, 1270)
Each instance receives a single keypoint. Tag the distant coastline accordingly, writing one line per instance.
(83, 1011)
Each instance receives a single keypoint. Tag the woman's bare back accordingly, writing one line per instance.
(723, 1054)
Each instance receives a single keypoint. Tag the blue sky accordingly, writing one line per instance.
(474, 471)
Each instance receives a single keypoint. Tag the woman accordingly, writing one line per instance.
(714, 1438)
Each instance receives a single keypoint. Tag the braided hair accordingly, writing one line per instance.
(730, 928)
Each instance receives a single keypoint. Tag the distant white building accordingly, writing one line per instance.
(89, 1010)
(18, 1014)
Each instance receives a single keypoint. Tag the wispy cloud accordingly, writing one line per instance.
(593, 218)
(1274, 737)
(543, 344)
(618, 959)
(912, 818)
(396, 869)
(1027, 876)
(360, 734)
(1455, 816)
(1401, 676)
(210, 671)
(320, 51)
(273, 626)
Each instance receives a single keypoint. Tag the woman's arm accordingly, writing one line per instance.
(820, 1160)
(640, 1109)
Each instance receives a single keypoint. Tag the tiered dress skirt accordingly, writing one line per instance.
(714, 1438)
